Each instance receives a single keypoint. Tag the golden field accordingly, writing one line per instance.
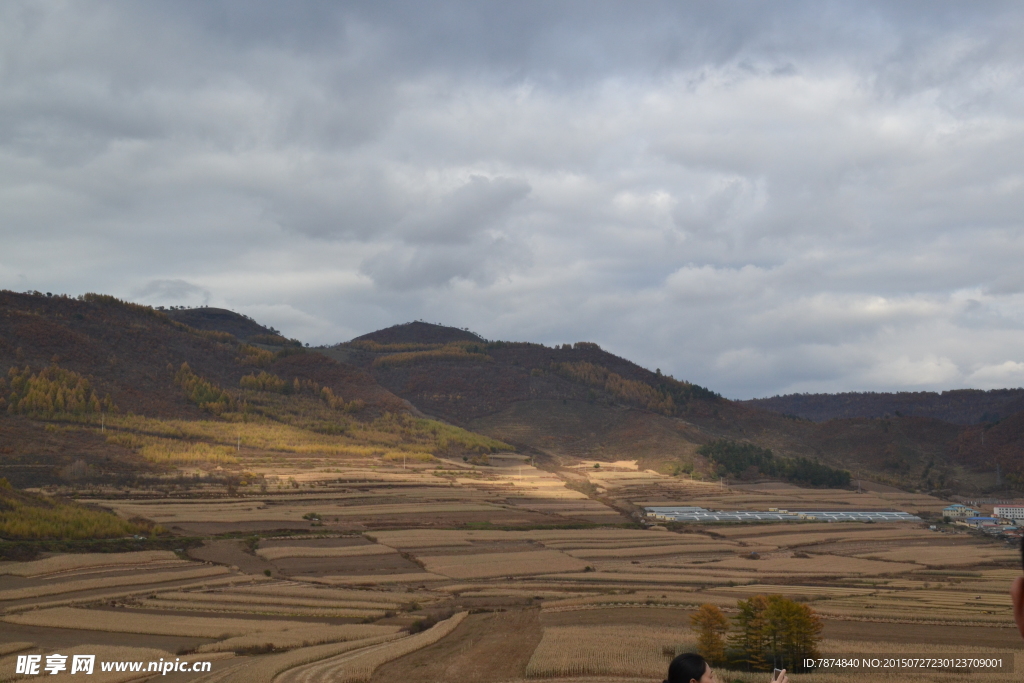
(318, 566)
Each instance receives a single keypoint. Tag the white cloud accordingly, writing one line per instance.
(779, 199)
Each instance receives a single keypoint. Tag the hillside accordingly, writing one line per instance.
(579, 401)
(82, 361)
(223, 320)
(418, 332)
(962, 406)
(98, 390)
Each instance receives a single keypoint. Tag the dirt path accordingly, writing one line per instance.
(485, 648)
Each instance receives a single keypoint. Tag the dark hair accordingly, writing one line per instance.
(686, 667)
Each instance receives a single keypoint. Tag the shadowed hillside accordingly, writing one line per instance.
(579, 401)
(419, 333)
(223, 320)
(132, 353)
(77, 360)
(963, 406)
(98, 390)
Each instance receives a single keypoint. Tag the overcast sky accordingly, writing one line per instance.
(760, 197)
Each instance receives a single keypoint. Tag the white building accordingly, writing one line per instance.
(1008, 511)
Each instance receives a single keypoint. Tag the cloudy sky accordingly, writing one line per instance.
(760, 197)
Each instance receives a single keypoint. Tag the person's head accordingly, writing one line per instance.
(689, 667)
(1017, 595)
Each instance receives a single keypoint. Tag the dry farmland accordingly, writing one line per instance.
(360, 570)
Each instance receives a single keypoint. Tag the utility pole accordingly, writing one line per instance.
(238, 446)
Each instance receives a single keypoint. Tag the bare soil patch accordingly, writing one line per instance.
(369, 565)
(55, 639)
(342, 542)
(214, 528)
(231, 552)
(644, 616)
(903, 634)
(484, 648)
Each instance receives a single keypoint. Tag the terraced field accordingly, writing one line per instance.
(344, 576)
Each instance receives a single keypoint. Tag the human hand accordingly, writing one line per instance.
(780, 676)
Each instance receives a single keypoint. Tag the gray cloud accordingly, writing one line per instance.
(760, 198)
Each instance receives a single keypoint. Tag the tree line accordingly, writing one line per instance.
(769, 631)
(735, 459)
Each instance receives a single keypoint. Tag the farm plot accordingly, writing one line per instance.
(383, 598)
(261, 608)
(173, 511)
(502, 564)
(156, 624)
(280, 552)
(828, 565)
(71, 562)
(791, 591)
(570, 651)
(62, 587)
(653, 550)
(357, 580)
(359, 666)
(946, 556)
(224, 597)
(302, 636)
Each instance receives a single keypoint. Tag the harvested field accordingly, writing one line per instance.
(267, 669)
(795, 590)
(654, 550)
(277, 553)
(174, 511)
(412, 577)
(382, 597)
(222, 597)
(501, 564)
(359, 666)
(946, 556)
(302, 636)
(368, 565)
(133, 622)
(231, 552)
(63, 563)
(815, 564)
(8, 648)
(263, 608)
(485, 648)
(604, 651)
(112, 582)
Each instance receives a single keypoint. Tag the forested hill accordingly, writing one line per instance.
(963, 406)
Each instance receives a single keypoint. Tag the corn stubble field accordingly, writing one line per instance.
(341, 569)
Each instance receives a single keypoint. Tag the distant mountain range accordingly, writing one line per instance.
(556, 403)
(962, 406)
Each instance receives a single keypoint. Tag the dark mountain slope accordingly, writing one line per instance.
(132, 354)
(962, 406)
(419, 333)
(220, 320)
(581, 401)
